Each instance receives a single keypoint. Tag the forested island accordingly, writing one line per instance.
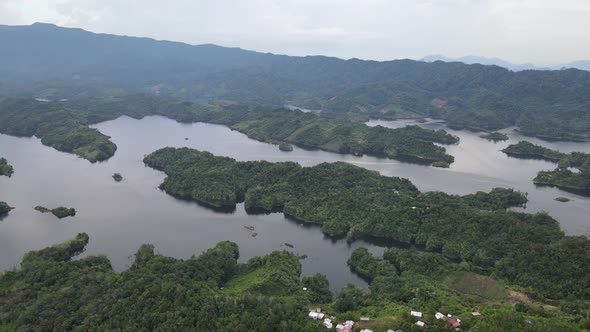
(572, 173)
(346, 200)
(60, 212)
(64, 126)
(213, 292)
(495, 136)
(5, 168)
(4, 208)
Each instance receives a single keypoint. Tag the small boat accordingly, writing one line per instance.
(250, 227)
(289, 245)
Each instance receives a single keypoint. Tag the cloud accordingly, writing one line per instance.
(541, 31)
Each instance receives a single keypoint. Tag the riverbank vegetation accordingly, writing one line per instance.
(54, 290)
(345, 200)
(207, 292)
(5, 168)
(64, 126)
(572, 173)
(60, 212)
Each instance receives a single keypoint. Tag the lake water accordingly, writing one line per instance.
(119, 217)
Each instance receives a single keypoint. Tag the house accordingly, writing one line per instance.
(328, 323)
(439, 315)
(420, 323)
(475, 314)
(365, 319)
(366, 330)
(316, 315)
(345, 327)
(416, 314)
(453, 321)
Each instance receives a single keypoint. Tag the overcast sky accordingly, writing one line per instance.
(537, 31)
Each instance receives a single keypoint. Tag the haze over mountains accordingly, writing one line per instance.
(75, 63)
(471, 59)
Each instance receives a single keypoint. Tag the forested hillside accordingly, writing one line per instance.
(549, 104)
(64, 126)
(54, 291)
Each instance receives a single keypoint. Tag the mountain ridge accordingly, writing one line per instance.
(76, 64)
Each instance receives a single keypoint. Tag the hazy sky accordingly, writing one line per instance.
(538, 31)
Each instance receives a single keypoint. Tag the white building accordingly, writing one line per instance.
(416, 314)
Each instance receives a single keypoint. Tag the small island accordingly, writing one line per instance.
(495, 136)
(572, 173)
(5, 168)
(528, 150)
(60, 212)
(117, 177)
(4, 208)
(285, 147)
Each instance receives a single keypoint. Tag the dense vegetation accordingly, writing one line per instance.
(64, 126)
(5, 168)
(429, 283)
(549, 104)
(411, 143)
(495, 136)
(209, 292)
(60, 212)
(63, 129)
(528, 150)
(285, 147)
(4, 208)
(346, 200)
(572, 173)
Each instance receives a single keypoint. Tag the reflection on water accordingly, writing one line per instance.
(119, 217)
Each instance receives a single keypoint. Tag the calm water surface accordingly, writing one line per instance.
(119, 217)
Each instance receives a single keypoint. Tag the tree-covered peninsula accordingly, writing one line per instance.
(5, 168)
(64, 126)
(350, 201)
(572, 173)
(213, 292)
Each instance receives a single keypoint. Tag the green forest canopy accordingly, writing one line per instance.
(53, 291)
(346, 200)
(544, 103)
(563, 177)
(64, 126)
(5, 168)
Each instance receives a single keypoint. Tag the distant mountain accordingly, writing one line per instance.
(472, 59)
(582, 65)
(46, 61)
